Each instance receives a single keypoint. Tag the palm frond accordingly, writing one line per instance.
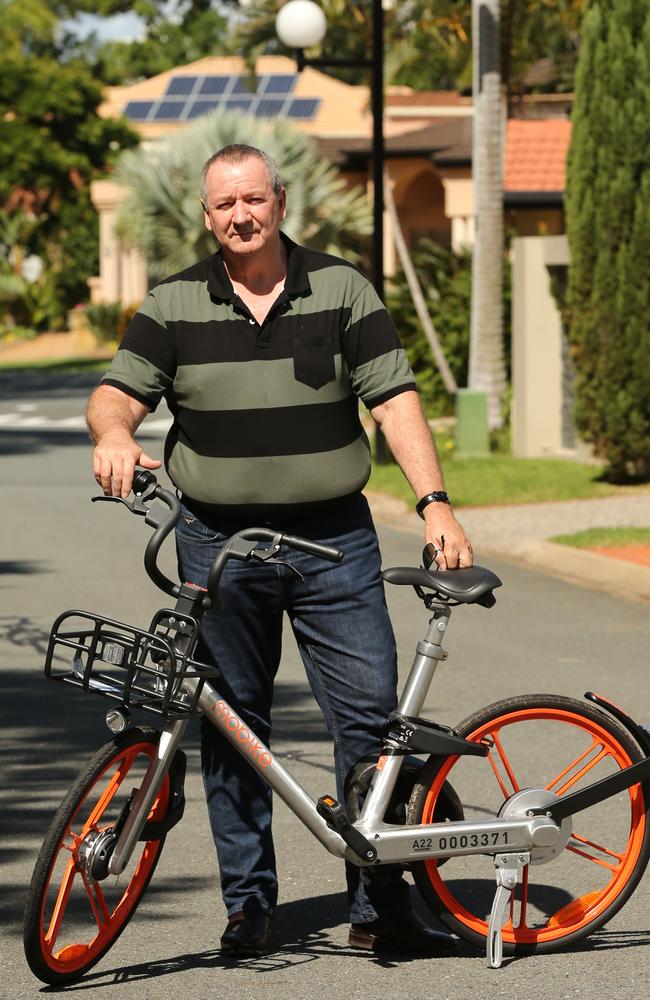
(162, 215)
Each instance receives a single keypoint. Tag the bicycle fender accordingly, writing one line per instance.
(157, 829)
(641, 735)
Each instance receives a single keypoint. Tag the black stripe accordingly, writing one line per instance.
(383, 397)
(238, 340)
(282, 430)
(369, 338)
(150, 401)
(150, 341)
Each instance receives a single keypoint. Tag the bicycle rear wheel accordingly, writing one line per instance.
(546, 742)
(72, 918)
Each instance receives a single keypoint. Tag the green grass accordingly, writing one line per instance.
(63, 366)
(502, 479)
(605, 537)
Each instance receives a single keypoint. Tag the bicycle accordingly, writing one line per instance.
(442, 817)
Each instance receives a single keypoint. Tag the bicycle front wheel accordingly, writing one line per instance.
(559, 745)
(73, 917)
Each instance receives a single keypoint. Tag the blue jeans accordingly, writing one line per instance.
(339, 618)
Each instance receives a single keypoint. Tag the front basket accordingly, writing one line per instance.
(139, 669)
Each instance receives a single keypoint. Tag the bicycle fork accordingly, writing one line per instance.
(145, 796)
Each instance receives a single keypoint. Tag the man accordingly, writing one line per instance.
(262, 352)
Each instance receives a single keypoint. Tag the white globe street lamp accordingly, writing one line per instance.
(301, 24)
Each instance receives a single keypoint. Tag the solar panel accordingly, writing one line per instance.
(280, 84)
(244, 85)
(169, 111)
(303, 107)
(226, 92)
(238, 104)
(269, 108)
(200, 108)
(180, 86)
(214, 84)
(138, 110)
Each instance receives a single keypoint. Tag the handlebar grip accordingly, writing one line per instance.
(314, 548)
(142, 480)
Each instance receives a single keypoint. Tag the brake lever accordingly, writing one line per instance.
(267, 556)
(136, 507)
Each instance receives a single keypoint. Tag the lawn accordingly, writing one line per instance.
(502, 479)
(59, 366)
(597, 537)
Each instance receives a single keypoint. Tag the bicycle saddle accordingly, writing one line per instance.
(471, 585)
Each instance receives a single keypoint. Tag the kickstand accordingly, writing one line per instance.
(509, 871)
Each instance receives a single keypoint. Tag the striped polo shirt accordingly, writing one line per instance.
(265, 416)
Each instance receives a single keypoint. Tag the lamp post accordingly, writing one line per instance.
(300, 25)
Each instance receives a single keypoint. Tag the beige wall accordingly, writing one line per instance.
(122, 270)
(537, 354)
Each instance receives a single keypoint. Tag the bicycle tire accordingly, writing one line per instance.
(559, 902)
(72, 920)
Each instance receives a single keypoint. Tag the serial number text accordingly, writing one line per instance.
(460, 842)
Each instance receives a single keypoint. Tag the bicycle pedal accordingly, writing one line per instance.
(337, 819)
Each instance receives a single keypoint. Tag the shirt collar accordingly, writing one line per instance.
(296, 283)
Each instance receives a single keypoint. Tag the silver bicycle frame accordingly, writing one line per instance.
(393, 843)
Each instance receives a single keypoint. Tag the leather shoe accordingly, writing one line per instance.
(247, 934)
(402, 933)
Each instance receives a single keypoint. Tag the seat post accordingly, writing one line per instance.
(429, 652)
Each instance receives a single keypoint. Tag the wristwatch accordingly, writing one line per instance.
(438, 496)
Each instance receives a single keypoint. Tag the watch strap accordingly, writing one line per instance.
(438, 496)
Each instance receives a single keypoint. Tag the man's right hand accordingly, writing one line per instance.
(114, 460)
(113, 418)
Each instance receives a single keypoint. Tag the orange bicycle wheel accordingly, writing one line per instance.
(74, 914)
(560, 745)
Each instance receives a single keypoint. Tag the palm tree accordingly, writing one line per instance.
(162, 216)
(487, 372)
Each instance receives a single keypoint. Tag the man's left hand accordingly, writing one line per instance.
(447, 536)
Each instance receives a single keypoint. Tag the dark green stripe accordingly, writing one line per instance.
(258, 384)
(285, 479)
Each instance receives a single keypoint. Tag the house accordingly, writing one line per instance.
(428, 151)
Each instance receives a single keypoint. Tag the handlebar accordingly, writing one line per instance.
(145, 487)
(240, 546)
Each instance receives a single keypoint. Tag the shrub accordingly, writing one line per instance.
(104, 319)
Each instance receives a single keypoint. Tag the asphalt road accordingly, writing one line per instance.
(59, 551)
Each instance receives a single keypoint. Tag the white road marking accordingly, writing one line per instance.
(17, 421)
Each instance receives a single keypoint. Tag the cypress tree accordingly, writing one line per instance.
(608, 225)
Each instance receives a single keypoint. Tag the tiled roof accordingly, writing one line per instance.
(536, 153)
(535, 156)
(448, 140)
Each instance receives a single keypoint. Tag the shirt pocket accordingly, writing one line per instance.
(313, 358)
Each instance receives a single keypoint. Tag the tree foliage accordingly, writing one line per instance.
(608, 215)
(190, 30)
(446, 280)
(429, 42)
(52, 143)
(162, 215)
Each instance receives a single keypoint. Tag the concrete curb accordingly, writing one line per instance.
(579, 566)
